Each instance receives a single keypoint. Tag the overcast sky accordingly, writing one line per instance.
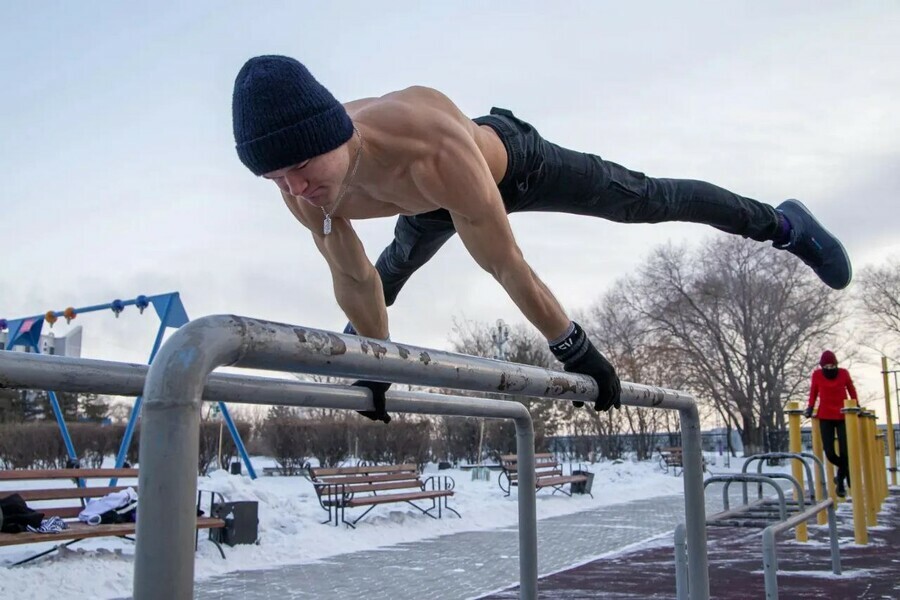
(118, 174)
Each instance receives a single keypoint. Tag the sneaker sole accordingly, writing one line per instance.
(809, 214)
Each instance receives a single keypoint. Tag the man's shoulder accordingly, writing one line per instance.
(410, 107)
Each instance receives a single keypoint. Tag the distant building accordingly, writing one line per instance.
(68, 345)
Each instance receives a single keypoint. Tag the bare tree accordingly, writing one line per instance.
(627, 339)
(525, 346)
(878, 303)
(740, 325)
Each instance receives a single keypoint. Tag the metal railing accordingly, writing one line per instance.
(182, 376)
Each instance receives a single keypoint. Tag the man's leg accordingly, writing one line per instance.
(580, 183)
(827, 428)
(843, 467)
(416, 240)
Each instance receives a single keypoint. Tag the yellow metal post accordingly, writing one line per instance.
(860, 533)
(821, 517)
(880, 449)
(794, 413)
(891, 449)
(868, 480)
(877, 459)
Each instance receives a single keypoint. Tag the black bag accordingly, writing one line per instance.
(17, 517)
(123, 514)
(241, 522)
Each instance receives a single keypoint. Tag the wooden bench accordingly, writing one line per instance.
(547, 470)
(67, 502)
(672, 458)
(341, 488)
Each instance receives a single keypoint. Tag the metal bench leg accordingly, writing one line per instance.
(422, 510)
(219, 546)
(353, 524)
(45, 552)
(447, 506)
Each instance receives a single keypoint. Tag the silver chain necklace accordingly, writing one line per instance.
(326, 225)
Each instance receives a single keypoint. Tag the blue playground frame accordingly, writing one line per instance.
(26, 331)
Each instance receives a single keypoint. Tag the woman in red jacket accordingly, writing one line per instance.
(832, 386)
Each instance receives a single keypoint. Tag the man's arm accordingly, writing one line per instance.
(457, 178)
(357, 286)
(416, 240)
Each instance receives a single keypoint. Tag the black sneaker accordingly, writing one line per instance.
(815, 246)
(840, 491)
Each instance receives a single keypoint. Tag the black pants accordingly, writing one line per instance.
(544, 177)
(829, 428)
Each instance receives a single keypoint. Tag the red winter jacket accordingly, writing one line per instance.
(831, 393)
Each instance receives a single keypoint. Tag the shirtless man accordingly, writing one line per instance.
(414, 154)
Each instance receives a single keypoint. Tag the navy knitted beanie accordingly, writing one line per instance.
(283, 116)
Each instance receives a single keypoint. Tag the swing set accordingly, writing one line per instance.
(26, 331)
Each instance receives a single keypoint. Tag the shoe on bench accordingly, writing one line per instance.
(815, 245)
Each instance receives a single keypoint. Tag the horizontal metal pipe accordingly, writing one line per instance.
(22, 370)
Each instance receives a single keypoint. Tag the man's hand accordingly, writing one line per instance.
(579, 355)
(808, 412)
(378, 389)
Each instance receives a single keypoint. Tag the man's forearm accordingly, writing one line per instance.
(535, 300)
(363, 303)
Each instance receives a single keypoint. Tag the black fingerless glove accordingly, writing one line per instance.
(808, 412)
(578, 355)
(378, 389)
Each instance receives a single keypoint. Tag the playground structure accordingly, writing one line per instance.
(811, 497)
(26, 331)
(181, 376)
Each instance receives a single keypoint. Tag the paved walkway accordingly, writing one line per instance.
(462, 565)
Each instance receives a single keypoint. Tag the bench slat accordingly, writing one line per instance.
(398, 498)
(376, 487)
(28, 474)
(78, 530)
(317, 472)
(63, 493)
(337, 479)
(551, 481)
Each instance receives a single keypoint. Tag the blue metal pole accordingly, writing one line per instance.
(70, 448)
(136, 410)
(57, 412)
(237, 439)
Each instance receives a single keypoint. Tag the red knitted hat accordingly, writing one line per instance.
(828, 358)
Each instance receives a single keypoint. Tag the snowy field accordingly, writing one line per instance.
(291, 532)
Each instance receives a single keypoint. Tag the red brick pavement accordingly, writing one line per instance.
(735, 558)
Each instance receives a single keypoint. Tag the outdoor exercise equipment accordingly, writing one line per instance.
(181, 377)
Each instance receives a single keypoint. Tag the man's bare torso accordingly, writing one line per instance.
(401, 132)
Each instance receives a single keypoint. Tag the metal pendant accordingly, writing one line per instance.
(326, 226)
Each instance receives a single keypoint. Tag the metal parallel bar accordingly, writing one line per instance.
(185, 363)
(171, 417)
(791, 455)
(770, 558)
(728, 479)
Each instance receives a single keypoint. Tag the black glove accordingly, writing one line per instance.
(808, 412)
(579, 355)
(378, 389)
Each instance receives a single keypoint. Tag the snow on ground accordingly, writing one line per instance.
(291, 532)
